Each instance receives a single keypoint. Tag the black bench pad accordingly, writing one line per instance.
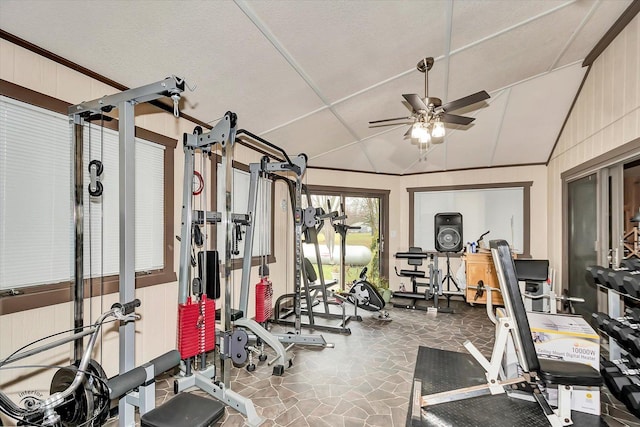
(185, 409)
(569, 373)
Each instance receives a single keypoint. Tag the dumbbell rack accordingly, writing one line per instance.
(624, 342)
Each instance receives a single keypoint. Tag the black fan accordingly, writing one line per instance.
(428, 112)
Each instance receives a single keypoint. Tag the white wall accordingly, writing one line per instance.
(398, 239)
(605, 116)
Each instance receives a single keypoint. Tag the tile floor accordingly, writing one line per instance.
(366, 379)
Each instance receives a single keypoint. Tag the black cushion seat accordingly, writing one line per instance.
(185, 409)
(412, 273)
(568, 373)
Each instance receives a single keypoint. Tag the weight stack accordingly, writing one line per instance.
(264, 305)
(207, 328)
(196, 327)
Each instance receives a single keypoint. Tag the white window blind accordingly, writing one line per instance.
(498, 210)
(240, 204)
(36, 223)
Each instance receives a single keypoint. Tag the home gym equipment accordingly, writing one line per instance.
(198, 324)
(79, 393)
(406, 299)
(316, 290)
(538, 292)
(364, 295)
(565, 375)
(79, 114)
(276, 171)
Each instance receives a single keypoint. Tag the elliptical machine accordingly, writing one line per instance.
(364, 295)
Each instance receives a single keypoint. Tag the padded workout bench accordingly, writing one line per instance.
(183, 410)
(564, 375)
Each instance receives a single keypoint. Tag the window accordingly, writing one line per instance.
(262, 219)
(501, 209)
(36, 224)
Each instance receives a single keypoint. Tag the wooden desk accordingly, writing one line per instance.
(480, 267)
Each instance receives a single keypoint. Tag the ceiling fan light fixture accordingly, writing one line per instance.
(418, 131)
(438, 130)
(425, 137)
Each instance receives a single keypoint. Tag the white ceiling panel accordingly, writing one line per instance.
(313, 135)
(514, 56)
(346, 46)
(552, 95)
(475, 20)
(351, 157)
(310, 75)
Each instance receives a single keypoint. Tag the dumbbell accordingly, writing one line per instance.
(601, 319)
(631, 263)
(631, 284)
(601, 276)
(615, 277)
(631, 398)
(618, 374)
(591, 275)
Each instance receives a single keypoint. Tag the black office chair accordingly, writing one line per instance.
(565, 375)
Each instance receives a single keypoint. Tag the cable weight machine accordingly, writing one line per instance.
(277, 170)
(232, 341)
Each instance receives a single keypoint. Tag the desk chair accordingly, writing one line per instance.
(564, 375)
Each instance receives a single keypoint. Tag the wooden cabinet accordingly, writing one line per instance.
(480, 267)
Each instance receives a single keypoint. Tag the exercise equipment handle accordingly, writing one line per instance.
(127, 307)
(267, 143)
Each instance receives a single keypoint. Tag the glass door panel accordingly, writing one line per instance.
(582, 227)
(362, 245)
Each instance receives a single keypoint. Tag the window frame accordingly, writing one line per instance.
(37, 296)
(526, 212)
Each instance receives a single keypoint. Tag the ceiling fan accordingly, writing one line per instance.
(428, 115)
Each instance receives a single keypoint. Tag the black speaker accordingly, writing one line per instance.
(448, 232)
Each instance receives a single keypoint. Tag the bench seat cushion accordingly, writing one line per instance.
(185, 409)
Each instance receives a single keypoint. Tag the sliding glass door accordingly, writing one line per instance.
(583, 234)
(356, 239)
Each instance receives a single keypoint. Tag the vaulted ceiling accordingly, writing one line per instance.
(310, 75)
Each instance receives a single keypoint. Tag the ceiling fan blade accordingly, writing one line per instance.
(415, 101)
(390, 124)
(408, 132)
(389, 120)
(455, 119)
(467, 100)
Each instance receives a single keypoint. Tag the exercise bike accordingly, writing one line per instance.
(364, 295)
(79, 393)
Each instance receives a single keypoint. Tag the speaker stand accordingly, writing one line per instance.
(449, 279)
